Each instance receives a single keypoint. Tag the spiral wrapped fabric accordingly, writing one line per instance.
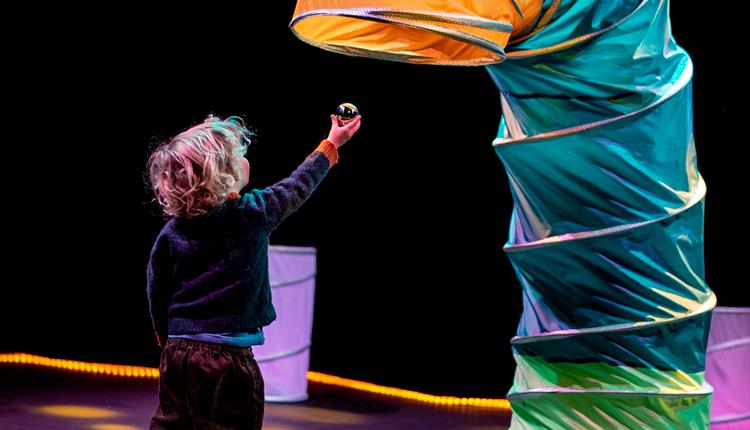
(606, 236)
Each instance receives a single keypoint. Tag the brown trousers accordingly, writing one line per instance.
(208, 386)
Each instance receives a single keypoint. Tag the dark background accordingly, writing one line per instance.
(413, 289)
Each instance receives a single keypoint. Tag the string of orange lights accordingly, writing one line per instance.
(104, 369)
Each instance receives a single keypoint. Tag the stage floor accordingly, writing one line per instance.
(34, 398)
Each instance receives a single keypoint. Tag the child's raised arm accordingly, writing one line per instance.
(286, 196)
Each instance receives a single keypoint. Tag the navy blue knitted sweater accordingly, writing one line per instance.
(210, 274)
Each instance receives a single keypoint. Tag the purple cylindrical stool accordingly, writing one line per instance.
(728, 368)
(285, 357)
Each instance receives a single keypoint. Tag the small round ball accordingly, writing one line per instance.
(347, 111)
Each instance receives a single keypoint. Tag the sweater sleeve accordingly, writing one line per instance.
(158, 288)
(283, 198)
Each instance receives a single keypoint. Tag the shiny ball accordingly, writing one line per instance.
(346, 111)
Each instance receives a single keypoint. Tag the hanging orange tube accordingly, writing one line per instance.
(416, 31)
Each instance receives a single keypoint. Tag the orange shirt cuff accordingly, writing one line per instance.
(329, 150)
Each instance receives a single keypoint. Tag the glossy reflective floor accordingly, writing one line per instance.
(33, 398)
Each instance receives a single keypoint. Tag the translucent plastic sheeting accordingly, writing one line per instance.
(607, 230)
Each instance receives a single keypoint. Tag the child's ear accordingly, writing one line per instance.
(245, 168)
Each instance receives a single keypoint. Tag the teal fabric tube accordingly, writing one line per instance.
(606, 236)
(607, 229)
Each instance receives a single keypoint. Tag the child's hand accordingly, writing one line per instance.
(339, 135)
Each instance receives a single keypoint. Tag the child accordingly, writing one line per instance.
(208, 289)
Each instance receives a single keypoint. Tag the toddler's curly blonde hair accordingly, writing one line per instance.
(192, 172)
